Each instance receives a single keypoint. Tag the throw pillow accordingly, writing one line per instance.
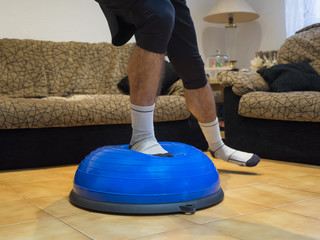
(291, 77)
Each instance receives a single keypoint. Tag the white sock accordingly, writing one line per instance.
(219, 150)
(143, 139)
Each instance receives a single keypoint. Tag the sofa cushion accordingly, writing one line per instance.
(21, 69)
(84, 68)
(117, 68)
(69, 69)
(291, 106)
(81, 110)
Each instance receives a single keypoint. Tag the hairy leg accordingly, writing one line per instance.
(201, 103)
(202, 106)
(144, 76)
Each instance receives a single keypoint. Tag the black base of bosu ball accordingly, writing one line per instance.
(114, 179)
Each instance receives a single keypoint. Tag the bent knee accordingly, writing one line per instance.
(155, 25)
(159, 17)
(164, 19)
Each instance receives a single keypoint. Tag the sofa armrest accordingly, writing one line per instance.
(243, 82)
(176, 89)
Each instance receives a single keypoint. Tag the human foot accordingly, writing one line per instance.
(150, 147)
(234, 156)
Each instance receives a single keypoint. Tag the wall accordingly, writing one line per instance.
(82, 20)
(265, 33)
(56, 20)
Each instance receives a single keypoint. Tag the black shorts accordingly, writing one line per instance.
(160, 26)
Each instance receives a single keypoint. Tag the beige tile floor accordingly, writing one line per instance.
(275, 200)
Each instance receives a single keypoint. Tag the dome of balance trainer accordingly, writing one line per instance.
(117, 179)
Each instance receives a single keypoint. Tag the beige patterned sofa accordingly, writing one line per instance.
(276, 125)
(60, 100)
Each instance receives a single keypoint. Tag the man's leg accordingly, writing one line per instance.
(144, 76)
(201, 104)
(184, 55)
(154, 21)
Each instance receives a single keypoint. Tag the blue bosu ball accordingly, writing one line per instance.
(115, 179)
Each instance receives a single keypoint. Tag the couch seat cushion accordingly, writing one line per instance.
(291, 106)
(80, 110)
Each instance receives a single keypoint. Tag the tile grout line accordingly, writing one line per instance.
(267, 209)
(301, 201)
(59, 219)
(16, 192)
(239, 215)
(44, 219)
(228, 234)
(46, 211)
(155, 234)
(51, 216)
(25, 222)
(295, 188)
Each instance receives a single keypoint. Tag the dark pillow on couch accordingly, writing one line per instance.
(123, 85)
(169, 78)
(291, 77)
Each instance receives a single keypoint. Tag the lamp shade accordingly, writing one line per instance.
(242, 12)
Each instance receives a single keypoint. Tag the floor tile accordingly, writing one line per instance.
(19, 211)
(263, 163)
(278, 163)
(269, 195)
(41, 230)
(65, 171)
(270, 224)
(294, 169)
(233, 179)
(192, 233)
(309, 182)
(309, 208)
(267, 172)
(58, 206)
(7, 194)
(229, 207)
(104, 226)
(233, 176)
(43, 188)
(271, 166)
(27, 176)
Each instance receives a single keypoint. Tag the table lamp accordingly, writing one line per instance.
(231, 12)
